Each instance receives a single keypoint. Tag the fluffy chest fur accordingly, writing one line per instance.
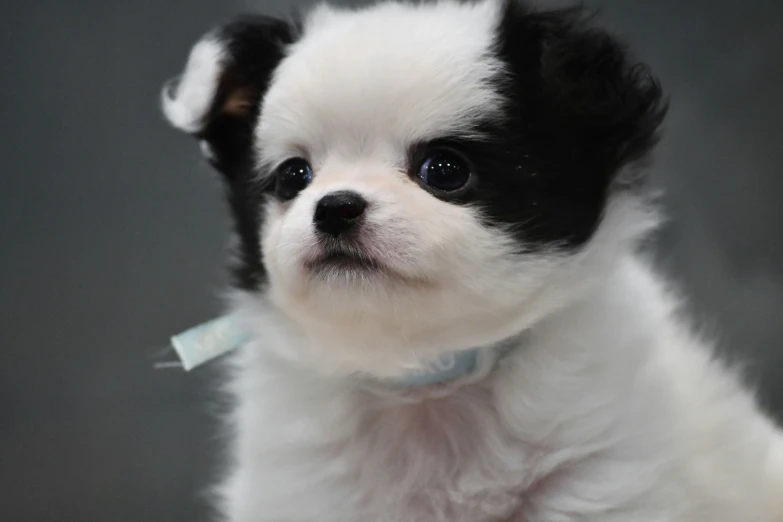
(391, 458)
(446, 458)
(588, 421)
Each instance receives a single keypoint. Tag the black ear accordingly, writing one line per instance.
(217, 97)
(581, 89)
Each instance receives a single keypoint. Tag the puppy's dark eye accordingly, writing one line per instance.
(444, 170)
(292, 177)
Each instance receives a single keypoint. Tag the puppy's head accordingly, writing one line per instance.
(407, 179)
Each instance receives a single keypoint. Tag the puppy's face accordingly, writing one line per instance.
(424, 177)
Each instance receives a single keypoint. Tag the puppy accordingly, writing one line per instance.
(437, 210)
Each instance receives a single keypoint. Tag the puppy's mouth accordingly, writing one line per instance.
(338, 257)
(335, 261)
(343, 260)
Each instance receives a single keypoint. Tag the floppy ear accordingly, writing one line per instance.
(217, 97)
(604, 108)
(217, 100)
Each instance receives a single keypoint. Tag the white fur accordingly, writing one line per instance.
(197, 86)
(343, 92)
(610, 409)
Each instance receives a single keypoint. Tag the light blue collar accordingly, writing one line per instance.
(453, 366)
(211, 339)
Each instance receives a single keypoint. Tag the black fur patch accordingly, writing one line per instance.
(577, 112)
(255, 46)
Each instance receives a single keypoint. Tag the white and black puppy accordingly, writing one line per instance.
(437, 208)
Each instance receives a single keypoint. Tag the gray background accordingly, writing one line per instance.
(112, 234)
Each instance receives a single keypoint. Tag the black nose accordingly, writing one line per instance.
(338, 212)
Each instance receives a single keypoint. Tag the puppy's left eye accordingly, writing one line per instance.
(444, 170)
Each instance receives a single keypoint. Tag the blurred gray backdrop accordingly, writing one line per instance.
(112, 234)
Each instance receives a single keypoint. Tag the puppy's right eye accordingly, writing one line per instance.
(292, 177)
